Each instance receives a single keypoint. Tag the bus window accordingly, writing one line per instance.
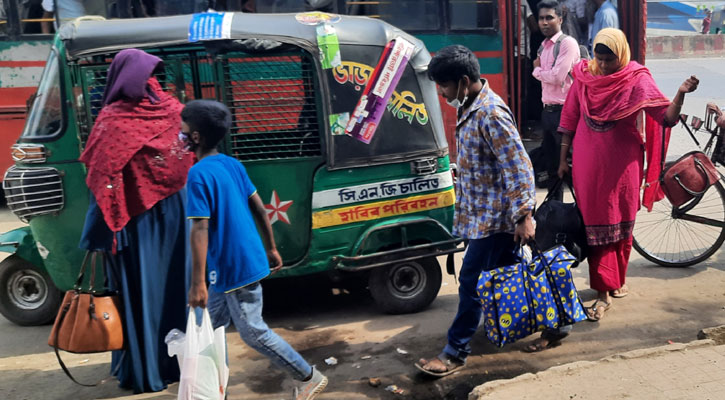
(46, 113)
(471, 14)
(412, 15)
(280, 6)
(3, 19)
(31, 16)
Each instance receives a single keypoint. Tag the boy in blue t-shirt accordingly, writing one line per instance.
(223, 205)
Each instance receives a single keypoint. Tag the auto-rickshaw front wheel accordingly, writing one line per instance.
(27, 295)
(405, 287)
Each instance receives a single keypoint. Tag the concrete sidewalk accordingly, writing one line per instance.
(695, 370)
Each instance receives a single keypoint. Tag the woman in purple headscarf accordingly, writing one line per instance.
(137, 169)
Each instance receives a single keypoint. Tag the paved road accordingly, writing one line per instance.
(665, 304)
(669, 75)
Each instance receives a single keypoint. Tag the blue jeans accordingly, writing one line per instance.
(482, 255)
(244, 307)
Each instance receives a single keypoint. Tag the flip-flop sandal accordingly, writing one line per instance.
(624, 291)
(451, 367)
(537, 346)
(592, 310)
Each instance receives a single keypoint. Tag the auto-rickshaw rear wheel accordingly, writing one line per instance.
(27, 294)
(405, 287)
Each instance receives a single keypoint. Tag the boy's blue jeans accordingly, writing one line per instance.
(482, 255)
(244, 308)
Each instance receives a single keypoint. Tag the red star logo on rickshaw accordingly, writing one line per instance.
(277, 210)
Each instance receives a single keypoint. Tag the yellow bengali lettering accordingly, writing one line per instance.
(382, 209)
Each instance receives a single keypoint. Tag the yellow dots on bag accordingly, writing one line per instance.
(540, 328)
(498, 286)
(536, 303)
(563, 286)
(543, 289)
(536, 284)
(540, 318)
(550, 313)
(505, 320)
(497, 296)
(508, 297)
(484, 294)
(561, 272)
(513, 288)
(480, 287)
(526, 284)
(572, 294)
(525, 309)
(487, 284)
(490, 322)
(506, 290)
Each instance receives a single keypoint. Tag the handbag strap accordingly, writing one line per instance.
(56, 329)
(93, 256)
(79, 280)
(556, 187)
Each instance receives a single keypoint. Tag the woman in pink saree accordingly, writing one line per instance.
(601, 122)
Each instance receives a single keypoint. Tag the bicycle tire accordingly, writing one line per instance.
(656, 236)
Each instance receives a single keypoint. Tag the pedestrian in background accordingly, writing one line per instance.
(574, 17)
(706, 22)
(494, 191)
(137, 170)
(605, 17)
(558, 55)
(600, 122)
(225, 211)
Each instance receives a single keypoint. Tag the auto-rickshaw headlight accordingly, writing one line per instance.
(29, 153)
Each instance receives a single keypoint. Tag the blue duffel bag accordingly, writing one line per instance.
(529, 296)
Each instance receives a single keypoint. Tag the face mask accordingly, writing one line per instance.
(188, 144)
(455, 103)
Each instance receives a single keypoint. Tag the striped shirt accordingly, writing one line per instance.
(495, 185)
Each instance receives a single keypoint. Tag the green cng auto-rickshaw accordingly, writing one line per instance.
(378, 213)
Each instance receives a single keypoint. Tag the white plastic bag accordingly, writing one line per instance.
(202, 360)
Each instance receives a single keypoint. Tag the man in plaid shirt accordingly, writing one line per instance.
(495, 191)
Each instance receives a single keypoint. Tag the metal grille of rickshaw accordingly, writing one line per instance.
(274, 106)
(33, 191)
(177, 77)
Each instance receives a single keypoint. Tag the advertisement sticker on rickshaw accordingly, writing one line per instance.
(316, 17)
(380, 87)
(338, 122)
(403, 105)
(210, 26)
(329, 46)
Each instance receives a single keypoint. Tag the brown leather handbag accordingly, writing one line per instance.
(89, 321)
(688, 177)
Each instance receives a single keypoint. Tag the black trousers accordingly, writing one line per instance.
(551, 146)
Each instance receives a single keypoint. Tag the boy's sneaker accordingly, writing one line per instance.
(310, 389)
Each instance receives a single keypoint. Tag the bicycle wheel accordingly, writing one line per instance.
(672, 241)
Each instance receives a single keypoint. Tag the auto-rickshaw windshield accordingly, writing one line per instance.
(46, 113)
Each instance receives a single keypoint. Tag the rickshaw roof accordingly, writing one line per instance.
(87, 36)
